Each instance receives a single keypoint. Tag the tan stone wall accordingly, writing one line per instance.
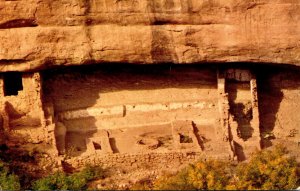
(127, 118)
(159, 161)
(137, 112)
(23, 113)
(239, 115)
(278, 93)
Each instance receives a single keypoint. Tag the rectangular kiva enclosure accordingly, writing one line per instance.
(139, 109)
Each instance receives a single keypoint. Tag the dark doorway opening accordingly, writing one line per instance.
(12, 83)
(241, 106)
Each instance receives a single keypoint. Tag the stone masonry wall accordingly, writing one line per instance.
(152, 160)
(22, 114)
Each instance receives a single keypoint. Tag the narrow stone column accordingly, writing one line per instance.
(3, 113)
(1, 87)
(60, 137)
(255, 111)
(223, 105)
(224, 111)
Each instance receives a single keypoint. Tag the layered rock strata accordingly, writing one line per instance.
(39, 34)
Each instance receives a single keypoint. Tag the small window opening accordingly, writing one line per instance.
(12, 83)
(97, 146)
(185, 139)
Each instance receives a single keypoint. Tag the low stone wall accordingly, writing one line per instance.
(146, 160)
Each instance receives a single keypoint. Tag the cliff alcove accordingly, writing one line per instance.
(132, 83)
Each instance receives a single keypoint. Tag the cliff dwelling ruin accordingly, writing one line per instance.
(114, 115)
(148, 83)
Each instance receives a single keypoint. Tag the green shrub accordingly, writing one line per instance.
(267, 170)
(62, 181)
(8, 180)
(207, 175)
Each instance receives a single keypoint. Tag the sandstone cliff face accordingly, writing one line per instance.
(36, 34)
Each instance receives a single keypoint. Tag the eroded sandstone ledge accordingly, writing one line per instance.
(38, 34)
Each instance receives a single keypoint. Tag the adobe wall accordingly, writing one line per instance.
(279, 107)
(152, 112)
(113, 116)
(22, 114)
(123, 107)
(158, 161)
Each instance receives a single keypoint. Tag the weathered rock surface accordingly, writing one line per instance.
(36, 34)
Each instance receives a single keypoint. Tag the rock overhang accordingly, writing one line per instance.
(38, 35)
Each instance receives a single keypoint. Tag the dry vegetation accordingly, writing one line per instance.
(267, 170)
